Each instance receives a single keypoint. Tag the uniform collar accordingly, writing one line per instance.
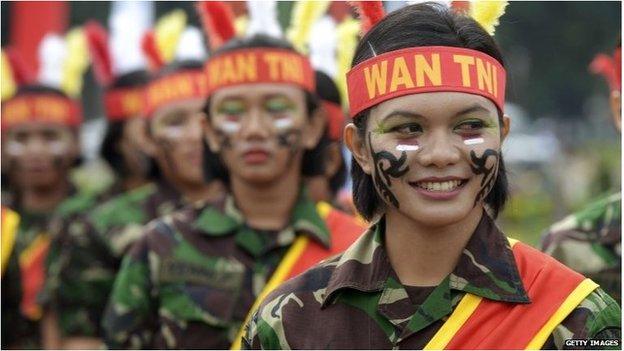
(486, 267)
(224, 218)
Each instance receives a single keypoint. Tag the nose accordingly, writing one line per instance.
(194, 129)
(439, 151)
(36, 146)
(254, 126)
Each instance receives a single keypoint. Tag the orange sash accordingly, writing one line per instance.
(304, 253)
(554, 290)
(32, 271)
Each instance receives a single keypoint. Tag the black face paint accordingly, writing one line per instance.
(396, 168)
(224, 139)
(58, 162)
(290, 139)
(478, 166)
(167, 147)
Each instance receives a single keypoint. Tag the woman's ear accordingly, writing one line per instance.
(505, 127)
(314, 130)
(357, 146)
(147, 144)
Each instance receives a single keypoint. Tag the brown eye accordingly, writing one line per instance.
(470, 126)
(408, 129)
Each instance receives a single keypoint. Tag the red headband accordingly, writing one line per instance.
(185, 85)
(123, 103)
(263, 65)
(422, 70)
(40, 108)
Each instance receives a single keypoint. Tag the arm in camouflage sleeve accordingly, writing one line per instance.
(596, 317)
(250, 337)
(130, 316)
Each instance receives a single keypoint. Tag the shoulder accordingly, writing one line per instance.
(597, 316)
(122, 209)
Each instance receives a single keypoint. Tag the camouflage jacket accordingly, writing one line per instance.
(192, 278)
(19, 330)
(590, 242)
(86, 253)
(355, 300)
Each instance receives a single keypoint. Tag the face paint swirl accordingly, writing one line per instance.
(381, 177)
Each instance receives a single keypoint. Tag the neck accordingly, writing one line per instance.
(133, 182)
(44, 199)
(268, 205)
(193, 192)
(424, 255)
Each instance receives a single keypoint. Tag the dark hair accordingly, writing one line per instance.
(425, 24)
(327, 90)
(309, 165)
(109, 150)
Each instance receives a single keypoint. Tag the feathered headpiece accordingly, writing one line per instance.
(15, 72)
(370, 13)
(610, 67)
(150, 49)
(97, 39)
(218, 22)
(304, 15)
(167, 33)
(263, 19)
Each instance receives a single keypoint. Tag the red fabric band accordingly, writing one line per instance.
(248, 66)
(335, 120)
(182, 86)
(423, 70)
(121, 104)
(47, 108)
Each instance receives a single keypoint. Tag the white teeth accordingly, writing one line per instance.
(440, 186)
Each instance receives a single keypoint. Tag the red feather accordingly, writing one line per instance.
(148, 45)
(218, 22)
(461, 6)
(606, 66)
(370, 12)
(97, 40)
(22, 74)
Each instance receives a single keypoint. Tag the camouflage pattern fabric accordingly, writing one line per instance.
(590, 242)
(17, 330)
(192, 278)
(86, 254)
(355, 300)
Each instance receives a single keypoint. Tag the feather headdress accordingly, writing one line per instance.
(304, 15)
(610, 67)
(370, 12)
(263, 19)
(487, 13)
(151, 52)
(217, 21)
(167, 33)
(97, 41)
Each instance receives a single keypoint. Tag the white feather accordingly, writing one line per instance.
(191, 45)
(52, 55)
(128, 22)
(323, 40)
(263, 18)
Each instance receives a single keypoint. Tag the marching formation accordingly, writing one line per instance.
(332, 185)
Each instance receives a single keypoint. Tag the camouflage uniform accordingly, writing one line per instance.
(589, 242)
(86, 252)
(192, 278)
(355, 300)
(19, 330)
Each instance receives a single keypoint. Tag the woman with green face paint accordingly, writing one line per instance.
(200, 270)
(426, 92)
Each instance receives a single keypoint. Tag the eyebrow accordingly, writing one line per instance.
(472, 109)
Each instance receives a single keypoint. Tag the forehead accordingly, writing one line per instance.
(38, 127)
(179, 107)
(435, 105)
(255, 92)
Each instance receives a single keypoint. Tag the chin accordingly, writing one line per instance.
(435, 216)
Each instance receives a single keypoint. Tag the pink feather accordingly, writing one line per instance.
(148, 45)
(22, 74)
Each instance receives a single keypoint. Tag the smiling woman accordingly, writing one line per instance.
(426, 93)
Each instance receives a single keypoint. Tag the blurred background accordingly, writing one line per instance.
(563, 149)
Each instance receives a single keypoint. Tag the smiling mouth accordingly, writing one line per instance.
(440, 187)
